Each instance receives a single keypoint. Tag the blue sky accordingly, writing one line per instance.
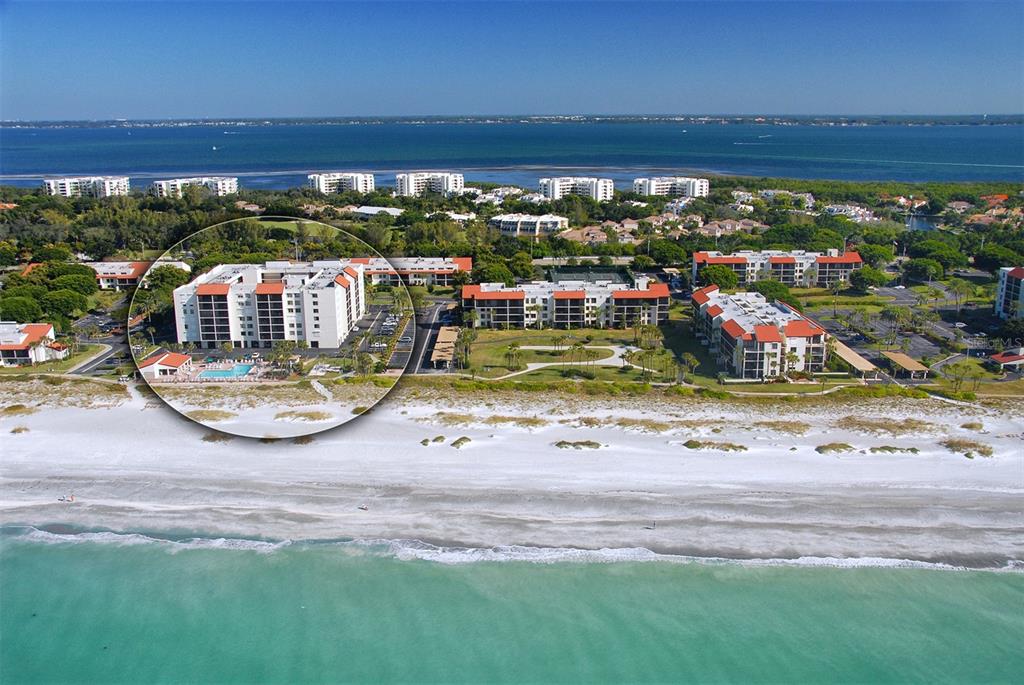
(93, 60)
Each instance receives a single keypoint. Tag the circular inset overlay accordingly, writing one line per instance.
(271, 327)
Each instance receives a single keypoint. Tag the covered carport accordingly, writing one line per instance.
(902, 362)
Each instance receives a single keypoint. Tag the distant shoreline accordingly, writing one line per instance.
(689, 119)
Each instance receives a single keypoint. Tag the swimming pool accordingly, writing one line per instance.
(236, 371)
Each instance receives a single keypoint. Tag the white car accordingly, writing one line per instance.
(960, 324)
(900, 287)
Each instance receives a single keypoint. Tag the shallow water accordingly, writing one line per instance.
(112, 608)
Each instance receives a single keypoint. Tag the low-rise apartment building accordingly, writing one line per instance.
(414, 270)
(87, 186)
(340, 182)
(1010, 293)
(755, 339)
(217, 185)
(126, 275)
(531, 225)
(679, 186)
(566, 304)
(796, 268)
(771, 194)
(600, 189)
(256, 305)
(416, 183)
(29, 343)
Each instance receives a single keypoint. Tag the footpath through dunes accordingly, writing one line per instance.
(691, 476)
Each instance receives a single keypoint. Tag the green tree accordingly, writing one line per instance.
(923, 269)
(86, 285)
(64, 302)
(961, 290)
(720, 275)
(868, 277)
(20, 309)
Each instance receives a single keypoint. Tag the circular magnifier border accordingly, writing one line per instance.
(281, 348)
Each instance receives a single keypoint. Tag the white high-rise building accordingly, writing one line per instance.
(340, 182)
(417, 183)
(87, 186)
(680, 186)
(600, 189)
(1010, 293)
(218, 185)
(256, 305)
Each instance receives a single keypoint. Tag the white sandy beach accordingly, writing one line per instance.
(139, 466)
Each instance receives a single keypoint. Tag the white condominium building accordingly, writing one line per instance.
(414, 270)
(341, 182)
(795, 268)
(28, 343)
(217, 185)
(417, 183)
(87, 186)
(681, 186)
(756, 339)
(256, 305)
(531, 225)
(567, 304)
(600, 189)
(1010, 293)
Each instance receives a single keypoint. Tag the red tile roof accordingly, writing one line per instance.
(351, 272)
(767, 334)
(569, 294)
(782, 260)
(848, 258)
(714, 310)
(464, 263)
(501, 295)
(137, 271)
(473, 292)
(733, 329)
(342, 281)
(213, 289)
(801, 328)
(701, 296)
(34, 332)
(1017, 272)
(270, 288)
(1007, 357)
(173, 359)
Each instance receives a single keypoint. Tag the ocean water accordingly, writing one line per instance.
(126, 608)
(280, 156)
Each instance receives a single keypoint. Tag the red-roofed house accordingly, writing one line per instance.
(28, 343)
(1013, 358)
(165, 365)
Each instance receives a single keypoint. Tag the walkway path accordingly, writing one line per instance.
(615, 360)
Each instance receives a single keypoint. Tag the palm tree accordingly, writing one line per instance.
(835, 287)
(512, 356)
(576, 351)
(690, 362)
(961, 290)
(152, 334)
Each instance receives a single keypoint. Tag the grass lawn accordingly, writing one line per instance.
(62, 366)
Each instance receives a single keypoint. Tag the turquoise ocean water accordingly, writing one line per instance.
(109, 608)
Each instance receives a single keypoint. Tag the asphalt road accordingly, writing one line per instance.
(426, 331)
